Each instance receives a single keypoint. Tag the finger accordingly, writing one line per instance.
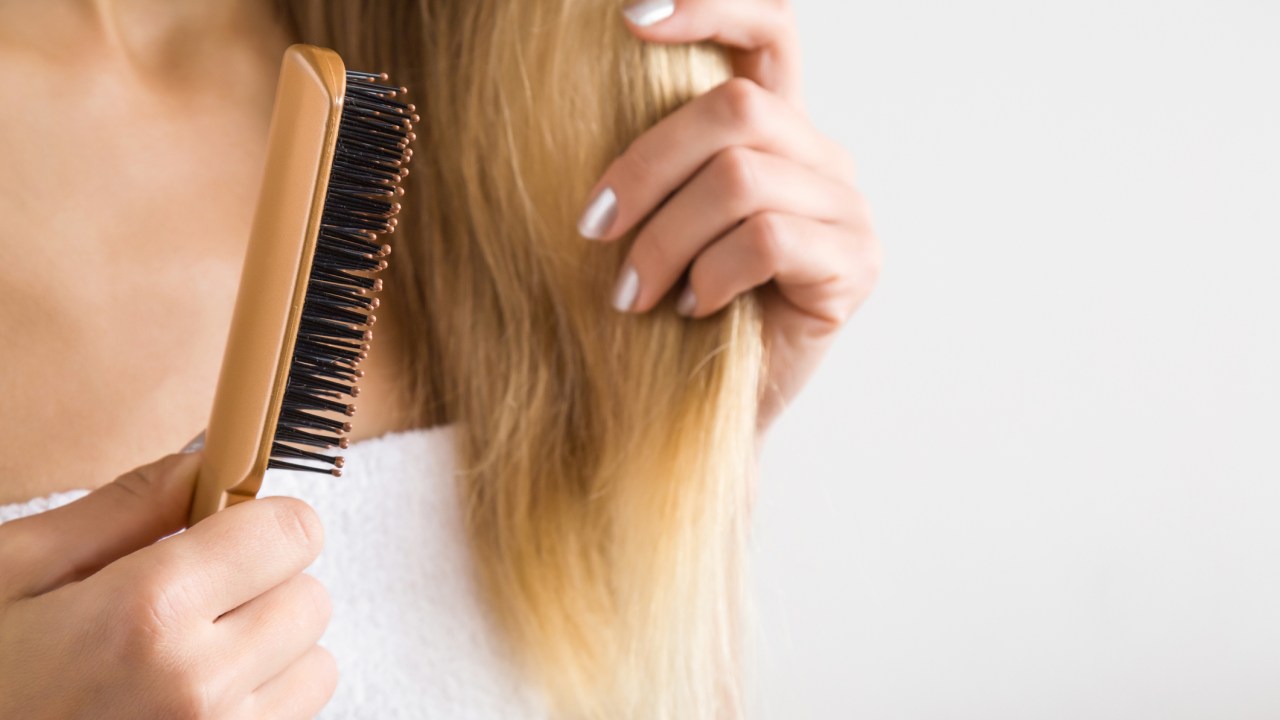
(227, 559)
(300, 691)
(736, 113)
(814, 265)
(270, 632)
(737, 183)
(43, 552)
(762, 32)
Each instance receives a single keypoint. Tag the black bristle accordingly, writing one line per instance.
(368, 167)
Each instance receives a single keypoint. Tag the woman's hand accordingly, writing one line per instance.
(96, 621)
(744, 192)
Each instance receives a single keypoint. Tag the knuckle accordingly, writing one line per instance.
(316, 595)
(861, 279)
(637, 162)
(766, 238)
(736, 170)
(190, 697)
(151, 640)
(297, 523)
(151, 615)
(137, 483)
(650, 253)
(742, 101)
(141, 482)
(146, 629)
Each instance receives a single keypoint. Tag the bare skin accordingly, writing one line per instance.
(132, 140)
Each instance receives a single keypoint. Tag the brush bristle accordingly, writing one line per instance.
(333, 335)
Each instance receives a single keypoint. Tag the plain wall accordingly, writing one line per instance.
(1038, 477)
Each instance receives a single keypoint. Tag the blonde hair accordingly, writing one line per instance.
(607, 459)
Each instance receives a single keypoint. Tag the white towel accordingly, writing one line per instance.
(408, 630)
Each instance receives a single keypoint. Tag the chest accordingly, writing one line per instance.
(123, 235)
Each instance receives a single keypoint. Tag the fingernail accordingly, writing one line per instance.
(628, 287)
(196, 444)
(649, 12)
(599, 215)
(687, 302)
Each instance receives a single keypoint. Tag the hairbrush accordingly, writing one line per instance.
(336, 155)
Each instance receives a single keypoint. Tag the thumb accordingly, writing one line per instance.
(46, 551)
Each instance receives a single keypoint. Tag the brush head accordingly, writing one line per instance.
(369, 163)
(336, 157)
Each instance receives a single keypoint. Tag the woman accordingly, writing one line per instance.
(582, 412)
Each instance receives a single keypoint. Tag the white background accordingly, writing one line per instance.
(1039, 476)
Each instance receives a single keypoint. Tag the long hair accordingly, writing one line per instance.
(606, 459)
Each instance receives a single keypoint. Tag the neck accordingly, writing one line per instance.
(138, 28)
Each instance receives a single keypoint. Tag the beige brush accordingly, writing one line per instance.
(337, 151)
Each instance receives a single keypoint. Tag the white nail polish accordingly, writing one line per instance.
(599, 215)
(650, 12)
(196, 444)
(687, 302)
(627, 289)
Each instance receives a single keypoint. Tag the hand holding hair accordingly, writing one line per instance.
(737, 190)
(98, 619)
